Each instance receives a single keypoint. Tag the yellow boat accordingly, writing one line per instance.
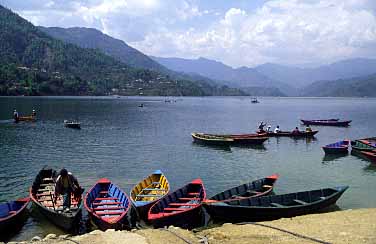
(149, 191)
(26, 119)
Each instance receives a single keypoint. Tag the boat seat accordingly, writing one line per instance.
(103, 192)
(300, 202)
(44, 189)
(175, 209)
(322, 198)
(267, 186)
(48, 184)
(253, 192)
(47, 179)
(108, 208)
(156, 183)
(188, 198)
(277, 205)
(105, 198)
(50, 193)
(154, 189)
(109, 213)
(149, 195)
(193, 193)
(106, 203)
(182, 204)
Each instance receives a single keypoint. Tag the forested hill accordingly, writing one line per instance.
(33, 63)
(364, 86)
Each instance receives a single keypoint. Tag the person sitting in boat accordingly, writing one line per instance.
(296, 130)
(261, 126)
(269, 128)
(65, 185)
(34, 114)
(277, 130)
(15, 116)
(308, 129)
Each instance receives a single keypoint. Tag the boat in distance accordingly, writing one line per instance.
(340, 147)
(12, 215)
(292, 133)
(230, 139)
(72, 124)
(330, 122)
(257, 188)
(108, 206)
(30, 118)
(180, 208)
(273, 207)
(149, 191)
(42, 195)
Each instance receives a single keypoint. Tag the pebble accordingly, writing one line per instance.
(51, 236)
(36, 238)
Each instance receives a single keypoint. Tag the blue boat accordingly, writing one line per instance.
(13, 215)
(149, 191)
(340, 147)
(108, 206)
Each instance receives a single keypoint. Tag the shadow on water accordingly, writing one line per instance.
(333, 157)
(256, 147)
(224, 148)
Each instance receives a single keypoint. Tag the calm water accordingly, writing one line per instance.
(124, 142)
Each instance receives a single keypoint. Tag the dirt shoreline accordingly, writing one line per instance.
(348, 226)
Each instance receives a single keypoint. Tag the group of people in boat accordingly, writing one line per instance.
(16, 116)
(278, 130)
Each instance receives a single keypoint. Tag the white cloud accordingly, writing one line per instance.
(283, 31)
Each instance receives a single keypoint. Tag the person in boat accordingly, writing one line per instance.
(15, 116)
(261, 126)
(65, 185)
(269, 128)
(277, 130)
(296, 130)
(308, 129)
(34, 114)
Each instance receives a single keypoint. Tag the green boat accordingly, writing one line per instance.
(366, 144)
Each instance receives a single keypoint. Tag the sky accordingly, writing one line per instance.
(235, 32)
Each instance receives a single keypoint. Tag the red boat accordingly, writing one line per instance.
(180, 208)
(293, 133)
(370, 155)
(330, 122)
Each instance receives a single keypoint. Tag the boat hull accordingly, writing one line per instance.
(230, 139)
(370, 155)
(301, 134)
(12, 223)
(326, 122)
(260, 209)
(363, 145)
(340, 147)
(25, 119)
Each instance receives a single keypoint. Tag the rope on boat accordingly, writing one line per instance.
(177, 235)
(286, 231)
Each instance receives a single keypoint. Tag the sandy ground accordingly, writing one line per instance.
(350, 226)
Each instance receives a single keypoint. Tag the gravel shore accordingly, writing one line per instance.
(349, 226)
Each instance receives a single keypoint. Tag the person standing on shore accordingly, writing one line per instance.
(66, 184)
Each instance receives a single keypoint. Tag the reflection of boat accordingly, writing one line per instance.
(234, 139)
(149, 191)
(275, 206)
(340, 147)
(72, 124)
(293, 133)
(108, 206)
(370, 155)
(332, 157)
(42, 194)
(330, 122)
(366, 144)
(180, 208)
(13, 214)
(257, 188)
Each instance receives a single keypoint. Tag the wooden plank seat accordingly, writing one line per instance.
(59, 205)
(175, 209)
(47, 179)
(267, 186)
(44, 189)
(300, 201)
(193, 193)
(189, 199)
(182, 204)
(156, 183)
(45, 194)
(154, 189)
(106, 203)
(105, 198)
(109, 208)
(47, 184)
(253, 192)
(273, 204)
(149, 195)
(109, 213)
(103, 192)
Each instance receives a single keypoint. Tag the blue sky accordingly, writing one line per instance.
(237, 33)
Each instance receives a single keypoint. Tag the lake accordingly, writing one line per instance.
(124, 142)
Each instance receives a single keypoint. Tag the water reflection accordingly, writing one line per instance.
(225, 148)
(332, 157)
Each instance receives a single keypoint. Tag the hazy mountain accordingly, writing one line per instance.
(364, 86)
(300, 77)
(240, 77)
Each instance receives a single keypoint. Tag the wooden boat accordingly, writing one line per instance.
(148, 192)
(42, 194)
(366, 144)
(30, 118)
(274, 206)
(230, 139)
(108, 206)
(254, 100)
(13, 215)
(180, 208)
(293, 134)
(72, 124)
(370, 155)
(340, 147)
(257, 188)
(330, 122)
